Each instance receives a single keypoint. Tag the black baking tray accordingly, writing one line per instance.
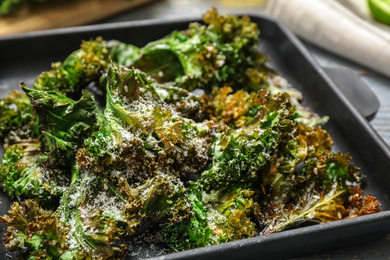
(24, 56)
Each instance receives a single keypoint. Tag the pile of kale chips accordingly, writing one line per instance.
(240, 160)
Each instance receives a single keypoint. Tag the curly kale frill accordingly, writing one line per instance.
(223, 51)
(96, 224)
(39, 232)
(15, 113)
(218, 217)
(64, 123)
(122, 166)
(25, 174)
(225, 197)
(147, 130)
(127, 167)
(240, 155)
(84, 66)
(324, 190)
(40, 168)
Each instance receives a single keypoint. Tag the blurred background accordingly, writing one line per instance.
(338, 34)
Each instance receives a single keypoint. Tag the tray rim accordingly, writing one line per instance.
(287, 234)
(383, 147)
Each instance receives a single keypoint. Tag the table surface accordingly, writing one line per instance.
(380, 85)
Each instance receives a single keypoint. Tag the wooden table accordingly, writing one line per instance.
(380, 85)
(60, 14)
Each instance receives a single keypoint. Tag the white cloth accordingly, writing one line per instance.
(344, 27)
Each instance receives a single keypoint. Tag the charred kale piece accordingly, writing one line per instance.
(15, 113)
(223, 51)
(84, 66)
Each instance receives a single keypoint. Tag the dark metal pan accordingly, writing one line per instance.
(354, 88)
(24, 56)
